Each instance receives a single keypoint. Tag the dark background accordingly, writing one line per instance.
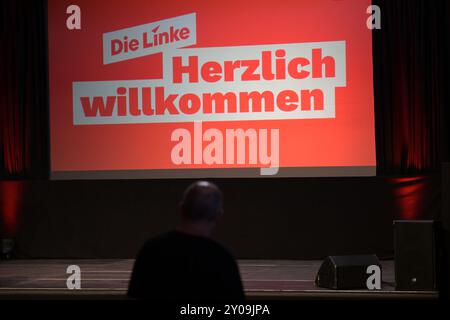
(285, 218)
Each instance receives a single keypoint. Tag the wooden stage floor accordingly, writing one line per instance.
(108, 279)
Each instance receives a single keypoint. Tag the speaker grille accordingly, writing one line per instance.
(414, 245)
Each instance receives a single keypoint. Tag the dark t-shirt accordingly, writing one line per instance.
(179, 266)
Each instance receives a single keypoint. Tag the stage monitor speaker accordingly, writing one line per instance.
(415, 255)
(345, 272)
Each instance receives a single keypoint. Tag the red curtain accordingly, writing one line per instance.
(23, 90)
(411, 69)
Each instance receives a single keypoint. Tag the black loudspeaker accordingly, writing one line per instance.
(444, 276)
(415, 245)
(6, 249)
(345, 272)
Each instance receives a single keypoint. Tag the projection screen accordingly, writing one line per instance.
(194, 88)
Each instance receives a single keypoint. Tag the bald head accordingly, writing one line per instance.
(202, 201)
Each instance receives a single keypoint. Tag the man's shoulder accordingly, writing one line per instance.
(196, 244)
(160, 239)
(219, 247)
(219, 251)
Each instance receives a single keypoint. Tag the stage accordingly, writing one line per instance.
(108, 279)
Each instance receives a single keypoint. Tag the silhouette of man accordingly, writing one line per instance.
(185, 264)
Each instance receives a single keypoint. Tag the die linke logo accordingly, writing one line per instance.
(149, 38)
(256, 82)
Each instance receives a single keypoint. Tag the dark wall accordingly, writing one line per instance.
(264, 218)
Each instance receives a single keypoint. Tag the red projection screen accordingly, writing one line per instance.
(194, 88)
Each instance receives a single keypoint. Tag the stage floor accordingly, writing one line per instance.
(108, 279)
